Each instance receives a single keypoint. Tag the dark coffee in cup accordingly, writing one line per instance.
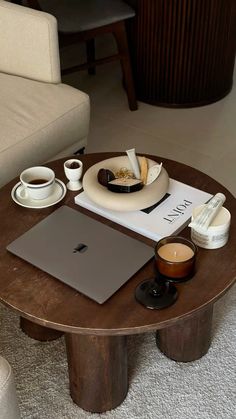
(37, 181)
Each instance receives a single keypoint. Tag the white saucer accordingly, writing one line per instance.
(57, 195)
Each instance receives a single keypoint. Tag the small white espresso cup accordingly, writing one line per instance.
(37, 182)
(73, 170)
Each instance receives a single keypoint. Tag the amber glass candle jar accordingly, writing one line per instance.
(175, 257)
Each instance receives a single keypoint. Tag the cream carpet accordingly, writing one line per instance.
(158, 387)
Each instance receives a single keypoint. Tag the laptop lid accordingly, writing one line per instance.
(86, 254)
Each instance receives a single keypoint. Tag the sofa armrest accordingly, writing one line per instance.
(29, 43)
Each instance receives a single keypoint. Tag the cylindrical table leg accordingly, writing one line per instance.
(35, 331)
(188, 339)
(97, 371)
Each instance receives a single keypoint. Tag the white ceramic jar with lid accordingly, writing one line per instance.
(217, 233)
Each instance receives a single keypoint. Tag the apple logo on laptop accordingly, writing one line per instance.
(81, 248)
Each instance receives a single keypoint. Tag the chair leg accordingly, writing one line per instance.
(119, 33)
(90, 50)
(80, 151)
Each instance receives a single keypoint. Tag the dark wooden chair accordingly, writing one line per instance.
(84, 20)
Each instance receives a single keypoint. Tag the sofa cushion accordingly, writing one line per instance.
(37, 121)
(29, 43)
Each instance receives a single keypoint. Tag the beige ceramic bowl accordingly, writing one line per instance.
(133, 201)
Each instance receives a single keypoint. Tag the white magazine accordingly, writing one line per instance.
(169, 217)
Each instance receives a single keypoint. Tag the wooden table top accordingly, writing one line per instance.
(45, 300)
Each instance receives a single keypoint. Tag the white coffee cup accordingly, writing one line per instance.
(37, 183)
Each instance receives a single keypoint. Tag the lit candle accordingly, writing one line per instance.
(175, 257)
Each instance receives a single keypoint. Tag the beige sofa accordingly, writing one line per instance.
(40, 117)
(8, 401)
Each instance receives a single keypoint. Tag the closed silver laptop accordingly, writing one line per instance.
(90, 256)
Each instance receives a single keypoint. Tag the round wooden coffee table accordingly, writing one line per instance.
(96, 334)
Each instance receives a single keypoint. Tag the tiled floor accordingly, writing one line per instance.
(203, 137)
